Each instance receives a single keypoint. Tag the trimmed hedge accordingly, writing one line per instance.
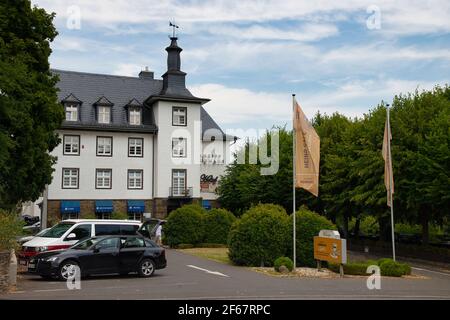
(119, 216)
(308, 224)
(217, 225)
(259, 236)
(185, 226)
(283, 261)
(388, 267)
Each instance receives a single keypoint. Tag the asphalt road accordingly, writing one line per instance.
(189, 277)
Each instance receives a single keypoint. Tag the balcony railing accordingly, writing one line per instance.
(180, 192)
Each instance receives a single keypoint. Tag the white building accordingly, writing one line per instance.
(134, 145)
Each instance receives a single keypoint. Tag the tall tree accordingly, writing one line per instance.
(29, 111)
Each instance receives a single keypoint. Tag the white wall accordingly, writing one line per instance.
(87, 162)
(165, 162)
(217, 147)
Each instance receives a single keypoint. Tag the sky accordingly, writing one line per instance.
(249, 57)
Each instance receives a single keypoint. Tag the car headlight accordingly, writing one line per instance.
(41, 249)
(51, 259)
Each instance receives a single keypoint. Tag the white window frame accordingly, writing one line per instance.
(135, 179)
(179, 147)
(72, 176)
(103, 147)
(135, 116)
(71, 112)
(135, 145)
(104, 114)
(179, 113)
(103, 179)
(74, 145)
(179, 182)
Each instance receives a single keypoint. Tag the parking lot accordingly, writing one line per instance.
(189, 277)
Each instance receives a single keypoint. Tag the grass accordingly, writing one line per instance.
(215, 254)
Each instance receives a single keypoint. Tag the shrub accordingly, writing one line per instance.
(368, 226)
(352, 268)
(211, 245)
(392, 268)
(185, 225)
(217, 225)
(119, 216)
(90, 216)
(10, 228)
(283, 261)
(308, 225)
(260, 236)
(185, 246)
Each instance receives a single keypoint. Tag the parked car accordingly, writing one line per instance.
(30, 220)
(101, 255)
(148, 228)
(22, 240)
(68, 232)
(32, 229)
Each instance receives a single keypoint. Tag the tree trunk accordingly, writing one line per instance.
(425, 217)
(357, 227)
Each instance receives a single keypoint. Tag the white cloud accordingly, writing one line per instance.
(234, 106)
(398, 17)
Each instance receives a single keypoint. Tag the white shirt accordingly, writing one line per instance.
(158, 231)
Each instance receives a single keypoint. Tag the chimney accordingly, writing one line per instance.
(146, 74)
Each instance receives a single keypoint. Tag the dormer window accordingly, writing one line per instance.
(104, 114)
(71, 112)
(72, 107)
(135, 116)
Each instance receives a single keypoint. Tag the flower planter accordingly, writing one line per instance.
(5, 257)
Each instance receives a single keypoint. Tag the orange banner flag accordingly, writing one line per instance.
(387, 162)
(307, 153)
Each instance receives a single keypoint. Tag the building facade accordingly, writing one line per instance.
(135, 145)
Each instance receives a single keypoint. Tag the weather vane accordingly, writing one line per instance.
(174, 26)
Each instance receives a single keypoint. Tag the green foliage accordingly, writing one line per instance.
(352, 167)
(308, 224)
(91, 216)
(283, 261)
(368, 225)
(10, 228)
(217, 225)
(388, 267)
(392, 268)
(29, 112)
(117, 216)
(260, 236)
(184, 246)
(185, 225)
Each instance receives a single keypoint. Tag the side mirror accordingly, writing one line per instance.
(72, 236)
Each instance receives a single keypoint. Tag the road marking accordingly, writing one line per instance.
(50, 290)
(441, 273)
(208, 271)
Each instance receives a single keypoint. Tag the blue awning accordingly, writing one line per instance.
(70, 207)
(136, 206)
(206, 204)
(104, 206)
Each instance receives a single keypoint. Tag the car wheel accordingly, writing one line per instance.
(68, 269)
(146, 268)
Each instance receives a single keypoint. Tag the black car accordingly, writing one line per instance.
(101, 255)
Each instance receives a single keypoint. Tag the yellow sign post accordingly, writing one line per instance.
(331, 250)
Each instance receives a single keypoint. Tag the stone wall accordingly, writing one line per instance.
(4, 270)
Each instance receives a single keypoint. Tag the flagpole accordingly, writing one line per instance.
(293, 180)
(391, 182)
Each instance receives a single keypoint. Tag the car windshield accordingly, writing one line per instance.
(85, 244)
(57, 231)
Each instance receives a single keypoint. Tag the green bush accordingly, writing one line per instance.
(368, 226)
(217, 225)
(283, 261)
(185, 246)
(119, 216)
(260, 236)
(388, 267)
(10, 228)
(211, 245)
(308, 224)
(392, 268)
(90, 216)
(185, 225)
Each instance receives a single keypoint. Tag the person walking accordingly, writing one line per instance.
(158, 235)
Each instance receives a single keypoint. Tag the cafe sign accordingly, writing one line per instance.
(330, 249)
